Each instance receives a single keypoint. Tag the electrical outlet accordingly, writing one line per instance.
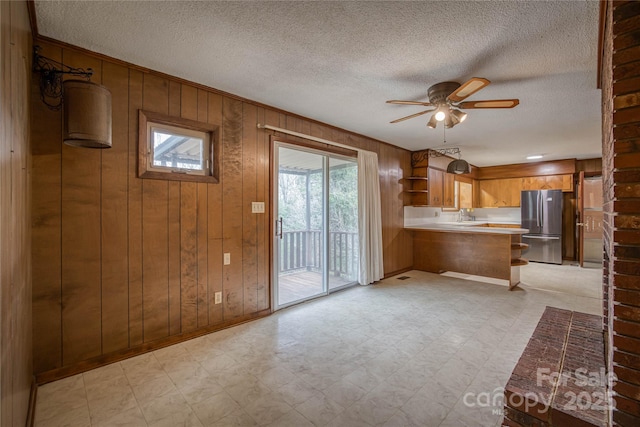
(218, 296)
(227, 258)
(257, 207)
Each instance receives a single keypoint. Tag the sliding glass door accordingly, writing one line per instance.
(316, 229)
(343, 223)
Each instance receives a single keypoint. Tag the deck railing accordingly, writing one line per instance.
(301, 250)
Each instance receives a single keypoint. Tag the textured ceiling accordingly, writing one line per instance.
(338, 62)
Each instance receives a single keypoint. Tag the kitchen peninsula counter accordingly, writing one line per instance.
(469, 248)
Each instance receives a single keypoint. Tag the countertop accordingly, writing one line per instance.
(466, 227)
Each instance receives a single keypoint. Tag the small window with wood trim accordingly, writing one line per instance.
(173, 148)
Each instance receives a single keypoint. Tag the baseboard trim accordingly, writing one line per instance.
(31, 409)
(117, 356)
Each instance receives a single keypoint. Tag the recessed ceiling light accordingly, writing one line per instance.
(534, 156)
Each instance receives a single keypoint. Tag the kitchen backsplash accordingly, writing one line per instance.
(414, 215)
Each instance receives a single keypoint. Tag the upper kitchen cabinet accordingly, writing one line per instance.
(549, 182)
(429, 184)
(485, 187)
(449, 191)
(505, 192)
(436, 187)
(464, 192)
(441, 188)
(431, 187)
(499, 193)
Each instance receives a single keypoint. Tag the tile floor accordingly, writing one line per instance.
(426, 351)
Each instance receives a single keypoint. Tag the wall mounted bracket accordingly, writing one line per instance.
(51, 73)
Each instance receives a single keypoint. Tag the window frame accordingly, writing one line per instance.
(146, 169)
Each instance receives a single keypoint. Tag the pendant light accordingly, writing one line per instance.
(458, 167)
(87, 114)
(86, 105)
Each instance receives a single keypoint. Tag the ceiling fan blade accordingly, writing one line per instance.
(468, 88)
(412, 116)
(394, 101)
(493, 103)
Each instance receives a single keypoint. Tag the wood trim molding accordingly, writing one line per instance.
(602, 22)
(307, 143)
(31, 410)
(95, 362)
(58, 43)
(522, 170)
(33, 21)
(143, 156)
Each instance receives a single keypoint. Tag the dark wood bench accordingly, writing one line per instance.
(560, 379)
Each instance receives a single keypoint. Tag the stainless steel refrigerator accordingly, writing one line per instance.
(541, 213)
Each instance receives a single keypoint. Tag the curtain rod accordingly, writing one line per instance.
(310, 137)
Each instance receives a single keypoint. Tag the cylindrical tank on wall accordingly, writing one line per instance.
(87, 114)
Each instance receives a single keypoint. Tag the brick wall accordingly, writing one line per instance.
(621, 172)
(607, 179)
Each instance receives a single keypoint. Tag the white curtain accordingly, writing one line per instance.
(369, 219)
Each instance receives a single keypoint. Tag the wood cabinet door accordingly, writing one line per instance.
(549, 182)
(503, 192)
(496, 193)
(488, 193)
(465, 194)
(507, 192)
(436, 182)
(449, 190)
(533, 183)
(513, 187)
(567, 182)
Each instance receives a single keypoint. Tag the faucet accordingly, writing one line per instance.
(460, 215)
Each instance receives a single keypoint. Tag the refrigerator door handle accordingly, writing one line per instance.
(542, 237)
(540, 221)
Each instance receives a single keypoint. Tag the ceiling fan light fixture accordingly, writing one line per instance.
(432, 123)
(449, 122)
(458, 116)
(440, 115)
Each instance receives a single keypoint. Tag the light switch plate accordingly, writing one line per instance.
(227, 258)
(218, 297)
(257, 207)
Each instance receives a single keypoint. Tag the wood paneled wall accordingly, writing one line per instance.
(15, 266)
(126, 264)
(589, 166)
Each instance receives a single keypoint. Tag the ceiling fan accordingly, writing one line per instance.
(447, 99)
